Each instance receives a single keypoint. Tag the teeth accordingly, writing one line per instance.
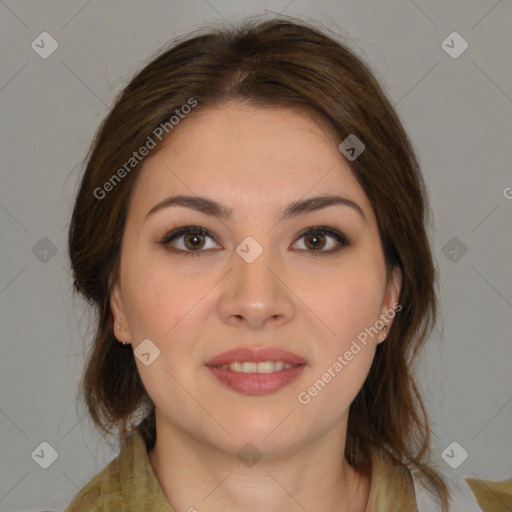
(262, 367)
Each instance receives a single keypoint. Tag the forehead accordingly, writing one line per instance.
(248, 157)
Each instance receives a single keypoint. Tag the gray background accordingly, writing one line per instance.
(457, 111)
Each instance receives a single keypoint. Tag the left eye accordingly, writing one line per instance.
(191, 245)
(319, 233)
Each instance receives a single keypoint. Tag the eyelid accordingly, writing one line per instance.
(178, 232)
(338, 235)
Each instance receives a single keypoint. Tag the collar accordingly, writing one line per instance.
(392, 485)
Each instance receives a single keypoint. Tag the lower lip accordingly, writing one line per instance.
(256, 383)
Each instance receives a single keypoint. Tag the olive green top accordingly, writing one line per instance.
(128, 484)
(492, 496)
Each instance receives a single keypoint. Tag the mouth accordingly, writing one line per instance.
(254, 371)
(253, 367)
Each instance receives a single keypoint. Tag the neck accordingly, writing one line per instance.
(198, 476)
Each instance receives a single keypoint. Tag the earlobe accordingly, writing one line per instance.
(120, 325)
(396, 285)
(390, 306)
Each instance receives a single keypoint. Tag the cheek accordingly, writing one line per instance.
(161, 308)
(350, 301)
(349, 306)
(159, 298)
(336, 385)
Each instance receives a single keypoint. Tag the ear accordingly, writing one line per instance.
(120, 325)
(390, 305)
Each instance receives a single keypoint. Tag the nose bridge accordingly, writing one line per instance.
(255, 292)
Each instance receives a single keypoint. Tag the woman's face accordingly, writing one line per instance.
(252, 281)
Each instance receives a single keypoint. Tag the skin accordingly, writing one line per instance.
(256, 161)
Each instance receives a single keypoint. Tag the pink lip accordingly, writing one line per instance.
(256, 383)
(256, 355)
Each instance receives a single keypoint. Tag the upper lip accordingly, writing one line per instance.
(256, 355)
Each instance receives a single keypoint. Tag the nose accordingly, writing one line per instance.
(255, 294)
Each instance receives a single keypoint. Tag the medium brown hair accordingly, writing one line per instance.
(278, 62)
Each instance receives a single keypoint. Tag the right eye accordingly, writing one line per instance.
(191, 244)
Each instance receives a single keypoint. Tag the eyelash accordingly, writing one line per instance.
(197, 230)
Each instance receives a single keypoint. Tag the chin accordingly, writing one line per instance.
(271, 431)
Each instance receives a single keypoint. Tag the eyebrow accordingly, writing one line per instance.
(215, 209)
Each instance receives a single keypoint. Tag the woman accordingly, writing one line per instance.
(251, 228)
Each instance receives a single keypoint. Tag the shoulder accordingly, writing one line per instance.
(123, 484)
(467, 494)
(104, 486)
(492, 496)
